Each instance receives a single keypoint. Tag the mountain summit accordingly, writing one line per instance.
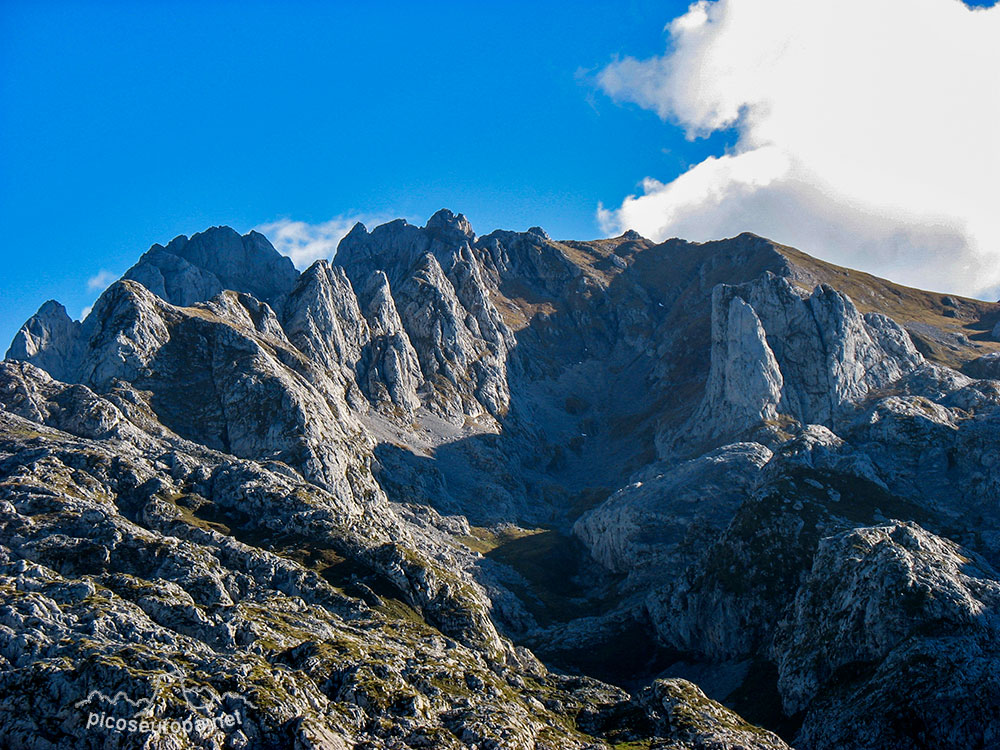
(446, 491)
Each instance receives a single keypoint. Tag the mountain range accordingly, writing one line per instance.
(451, 491)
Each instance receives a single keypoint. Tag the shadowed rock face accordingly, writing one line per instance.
(346, 502)
(195, 270)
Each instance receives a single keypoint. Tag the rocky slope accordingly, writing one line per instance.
(499, 492)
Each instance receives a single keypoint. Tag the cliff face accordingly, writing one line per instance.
(342, 503)
(777, 350)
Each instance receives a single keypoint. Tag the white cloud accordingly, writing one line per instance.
(101, 280)
(305, 243)
(867, 132)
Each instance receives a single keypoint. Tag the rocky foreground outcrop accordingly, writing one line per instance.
(245, 506)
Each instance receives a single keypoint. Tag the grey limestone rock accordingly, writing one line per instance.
(869, 590)
(196, 269)
(323, 318)
(114, 580)
(893, 603)
(329, 500)
(745, 382)
(778, 351)
(667, 511)
(389, 368)
(49, 338)
(442, 297)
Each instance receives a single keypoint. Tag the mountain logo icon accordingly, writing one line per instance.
(198, 699)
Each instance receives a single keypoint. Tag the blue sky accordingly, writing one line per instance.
(124, 124)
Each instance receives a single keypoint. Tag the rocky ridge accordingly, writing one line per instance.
(341, 503)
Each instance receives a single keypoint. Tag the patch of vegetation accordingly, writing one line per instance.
(554, 566)
(967, 317)
(202, 517)
(21, 432)
(484, 540)
(862, 500)
(692, 711)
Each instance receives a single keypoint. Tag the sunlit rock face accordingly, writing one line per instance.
(445, 490)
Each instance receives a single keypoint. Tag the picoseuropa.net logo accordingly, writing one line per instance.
(120, 713)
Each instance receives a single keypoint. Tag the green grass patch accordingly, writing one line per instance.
(553, 565)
